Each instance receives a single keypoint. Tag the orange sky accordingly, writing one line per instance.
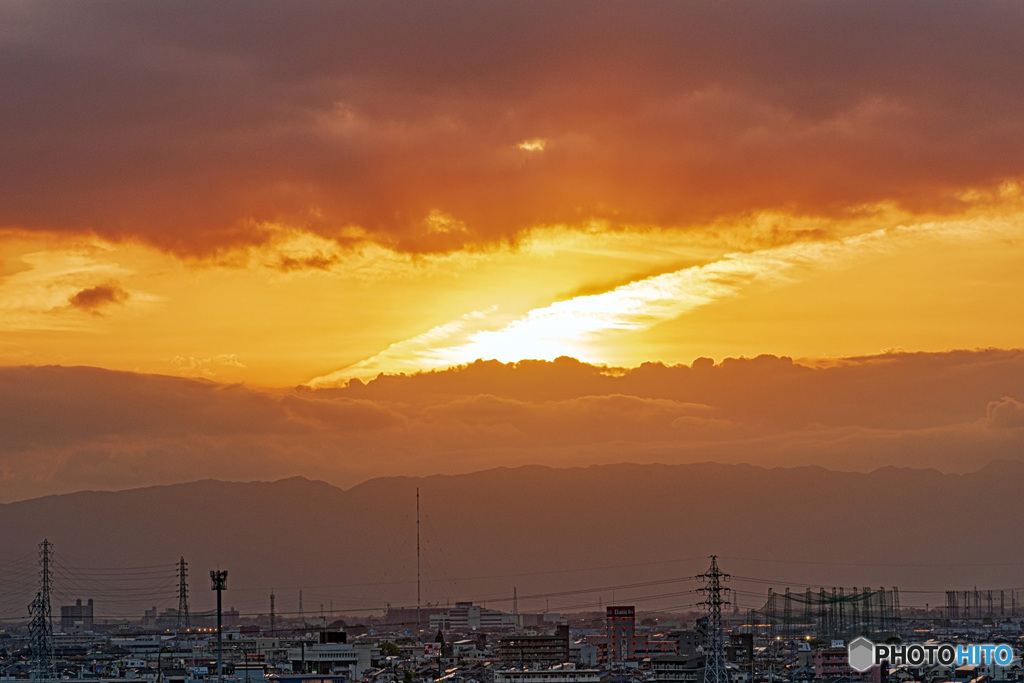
(288, 194)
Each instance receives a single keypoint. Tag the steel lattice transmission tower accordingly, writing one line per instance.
(183, 623)
(714, 654)
(40, 628)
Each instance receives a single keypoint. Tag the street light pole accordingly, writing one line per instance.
(218, 581)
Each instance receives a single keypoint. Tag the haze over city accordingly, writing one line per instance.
(520, 247)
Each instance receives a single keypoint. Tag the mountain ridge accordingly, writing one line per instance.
(1011, 464)
(539, 529)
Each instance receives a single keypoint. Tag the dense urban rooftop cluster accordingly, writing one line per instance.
(469, 643)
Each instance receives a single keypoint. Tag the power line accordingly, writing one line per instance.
(933, 565)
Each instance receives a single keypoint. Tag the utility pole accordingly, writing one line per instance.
(714, 658)
(218, 582)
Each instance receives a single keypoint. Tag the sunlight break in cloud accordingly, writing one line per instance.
(410, 355)
(565, 328)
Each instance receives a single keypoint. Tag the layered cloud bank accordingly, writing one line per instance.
(282, 193)
(273, 194)
(200, 129)
(73, 428)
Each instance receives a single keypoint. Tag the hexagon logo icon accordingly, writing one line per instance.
(861, 653)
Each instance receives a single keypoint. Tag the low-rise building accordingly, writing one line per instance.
(676, 669)
(466, 616)
(567, 673)
(331, 656)
(535, 651)
(77, 616)
(830, 662)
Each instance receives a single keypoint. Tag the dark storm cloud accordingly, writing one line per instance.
(188, 124)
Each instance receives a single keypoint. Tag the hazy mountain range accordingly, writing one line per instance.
(65, 429)
(536, 529)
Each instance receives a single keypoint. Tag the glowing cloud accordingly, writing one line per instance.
(49, 290)
(535, 145)
(570, 327)
(410, 355)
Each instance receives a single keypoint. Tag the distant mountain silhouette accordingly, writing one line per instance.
(538, 529)
(71, 428)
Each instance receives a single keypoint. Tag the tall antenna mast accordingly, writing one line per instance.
(40, 629)
(714, 658)
(272, 630)
(417, 564)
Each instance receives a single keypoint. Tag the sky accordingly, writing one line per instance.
(258, 204)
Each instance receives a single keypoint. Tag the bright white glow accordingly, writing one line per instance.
(567, 327)
(535, 145)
